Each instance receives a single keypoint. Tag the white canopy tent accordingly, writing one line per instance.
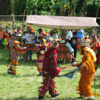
(61, 22)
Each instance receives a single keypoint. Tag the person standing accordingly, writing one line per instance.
(40, 54)
(87, 70)
(80, 33)
(95, 46)
(14, 51)
(69, 35)
(29, 37)
(71, 50)
(50, 35)
(37, 36)
(73, 42)
(49, 71)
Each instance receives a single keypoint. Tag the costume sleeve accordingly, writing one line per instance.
(79, 64)
(53, 65)
(87, 61)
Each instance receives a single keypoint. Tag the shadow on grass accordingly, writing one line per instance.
(34, 98)
(16, 76)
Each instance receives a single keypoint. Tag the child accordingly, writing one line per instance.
(73, 42)
(40, 54)
(71, 50)
(14, 51)
(11, 40)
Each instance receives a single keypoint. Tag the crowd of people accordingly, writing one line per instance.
(47, 44)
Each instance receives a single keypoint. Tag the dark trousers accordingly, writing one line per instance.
(75, 51)
(1, 42)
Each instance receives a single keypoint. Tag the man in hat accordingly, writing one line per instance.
(87, 70)
(52, 35)
(49, 71)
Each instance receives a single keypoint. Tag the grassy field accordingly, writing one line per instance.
(24, 85)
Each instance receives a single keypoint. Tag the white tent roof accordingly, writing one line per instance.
(62, 22)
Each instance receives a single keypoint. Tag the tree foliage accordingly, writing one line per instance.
(51, 7)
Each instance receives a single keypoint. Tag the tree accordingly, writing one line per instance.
(5, 7)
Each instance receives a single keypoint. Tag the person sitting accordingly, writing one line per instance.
(71, 50)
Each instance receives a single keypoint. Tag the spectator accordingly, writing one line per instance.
(55, 30)
(1, 35)
(19, 29)
(74, 44)
(71, 50)
(69, 35)
(55, 36)
(28, 39)
(52, 35)
(37, 36)
(80, 33)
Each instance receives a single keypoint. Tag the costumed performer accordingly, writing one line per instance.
(6, 39)
(87, 70)
(49, 71)
(15, 49)
(40, 54)
(95, 45)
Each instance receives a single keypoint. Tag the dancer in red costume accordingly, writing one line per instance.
(95, 45)
(49, 71)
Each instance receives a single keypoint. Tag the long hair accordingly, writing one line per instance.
(91, 52)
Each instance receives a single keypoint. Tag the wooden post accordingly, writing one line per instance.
(13, 14)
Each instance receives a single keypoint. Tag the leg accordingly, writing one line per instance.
(13, 71)
(45, 87)
(52, 90)
(39, 68)
(26, 55)
(9, 69)
(75, 52)
(30, 54)
(85, 86)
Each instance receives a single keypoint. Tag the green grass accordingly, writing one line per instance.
(25, 84)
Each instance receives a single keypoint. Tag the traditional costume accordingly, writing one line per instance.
(87, 70)
(40, 55)
(6, 39)
(49, 71)
(14, 51)
(95, 45)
